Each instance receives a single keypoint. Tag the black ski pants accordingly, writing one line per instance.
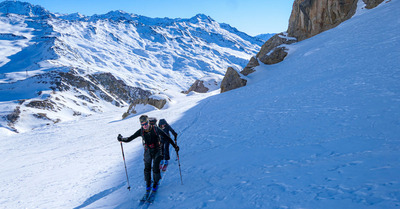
(152, 155)
(165, 150)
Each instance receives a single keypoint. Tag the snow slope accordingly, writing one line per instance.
(319, 130)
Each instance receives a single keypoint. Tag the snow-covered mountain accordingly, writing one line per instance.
(72, 63)
(266, 36)
(320, 129)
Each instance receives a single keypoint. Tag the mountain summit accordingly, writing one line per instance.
(22, 8)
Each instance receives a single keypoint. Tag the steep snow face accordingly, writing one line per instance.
(153, 54)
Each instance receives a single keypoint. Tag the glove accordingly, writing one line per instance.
(119, 138)
(176, 148)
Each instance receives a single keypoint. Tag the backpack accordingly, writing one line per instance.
(153, 121)
(162, 122)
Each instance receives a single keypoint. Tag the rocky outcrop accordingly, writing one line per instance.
(274, 51)
(103, 85)
(197, 86)
(308, 18)
(13, 117)
(311, 17)
(372, 3)
(232, 80)
(250, 66)
(43, 104)
(155, 102)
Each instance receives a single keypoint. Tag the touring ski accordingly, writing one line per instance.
(144, 198)
(151, 198)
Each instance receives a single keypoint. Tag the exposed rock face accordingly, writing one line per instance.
(372, 3)
(272, 51)
(250, 66)
(42, 104)
(232, 80)
(311, 17)
(197, 86)
(158, 103)
(13, 117)
(104, 85)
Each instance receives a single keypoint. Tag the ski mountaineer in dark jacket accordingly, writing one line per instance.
(165, 143)
(152, 149)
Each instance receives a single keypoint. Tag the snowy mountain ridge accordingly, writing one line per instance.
(147, 55)
(23, 8)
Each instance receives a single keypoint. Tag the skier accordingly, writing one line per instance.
(152, 149)
(165, 143)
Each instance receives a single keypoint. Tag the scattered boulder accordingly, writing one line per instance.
(275, 56)
(197, 86)
(276, 41)
(273, 51)
(250, 66)
(232, 80)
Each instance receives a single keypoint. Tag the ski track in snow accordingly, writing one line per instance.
(319, 130)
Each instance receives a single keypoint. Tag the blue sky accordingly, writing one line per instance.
(250, 16)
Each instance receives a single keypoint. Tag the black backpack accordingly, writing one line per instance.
(153, 121)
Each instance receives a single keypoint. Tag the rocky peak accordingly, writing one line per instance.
(117, 15)
(201, 18)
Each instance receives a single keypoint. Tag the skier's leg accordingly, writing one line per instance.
(166, 152)
(156, 168)
(147, 167)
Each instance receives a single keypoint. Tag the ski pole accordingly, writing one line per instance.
(179, 163)
(126, 171)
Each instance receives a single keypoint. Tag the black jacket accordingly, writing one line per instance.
(167, 128)
(151, 137)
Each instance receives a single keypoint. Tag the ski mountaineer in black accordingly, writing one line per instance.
(165, 143)
(152, 149)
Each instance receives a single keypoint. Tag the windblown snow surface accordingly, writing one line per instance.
(318, 130)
